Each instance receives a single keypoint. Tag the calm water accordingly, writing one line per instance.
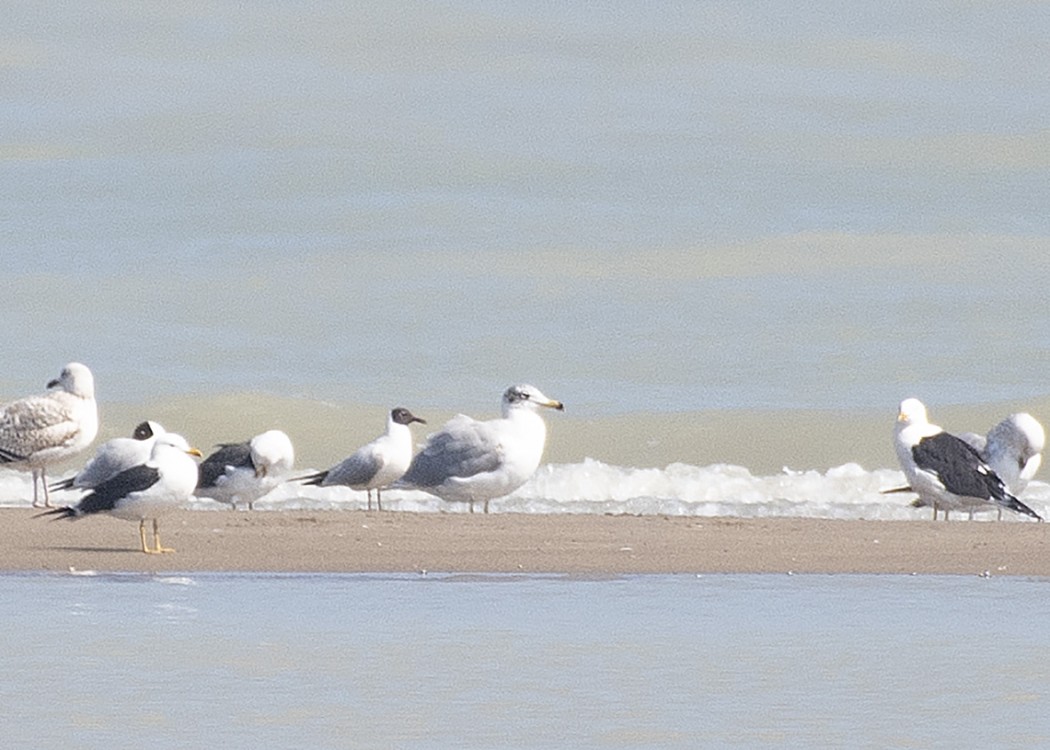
(462, 661)
(669, 208)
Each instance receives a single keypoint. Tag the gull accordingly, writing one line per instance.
(39, 431)
(113, 457)
(244, 472)
(944, 470)
(472, 461)
(145, 491)
(1012, 449)
(377, 464)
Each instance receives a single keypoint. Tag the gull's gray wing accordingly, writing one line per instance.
(462, 448)
(113, 457)
(356, 470)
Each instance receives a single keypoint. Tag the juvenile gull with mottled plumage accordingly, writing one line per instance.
(39, 431)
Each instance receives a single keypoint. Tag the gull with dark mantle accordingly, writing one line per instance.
(945, 471)
(377, 464)
(143, 492)
(245, 472)
(470, 461)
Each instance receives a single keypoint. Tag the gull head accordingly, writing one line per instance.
(272, 453)
(912, 411)
(401, 415)
(528, 396)
(146, 430)
(75, 379)
(171, 440)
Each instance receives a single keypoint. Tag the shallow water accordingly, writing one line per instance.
(522, 661)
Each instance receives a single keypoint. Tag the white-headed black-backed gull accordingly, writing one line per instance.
(146, 491)
(113, 457)
(471, 461)
(377, 464)
(244, 472)
(39, 431)
(945, 471)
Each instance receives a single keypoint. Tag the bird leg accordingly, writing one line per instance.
(142, 535)
(486, 506)
(379, 500)
(157, 548)
(38, 477)
(369, 491)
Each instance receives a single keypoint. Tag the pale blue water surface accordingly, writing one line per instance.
(443, 661)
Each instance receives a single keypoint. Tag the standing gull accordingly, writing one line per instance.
(1013, 449)
(148, 490)
(244, 472)
(39, 431)
(113, 457)
(377, 464)
(470, 461)
(944, 470)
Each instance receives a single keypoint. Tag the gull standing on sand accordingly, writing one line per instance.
(1013, 449)
(244, 472)
(377, 464)
(148, 490)
(945, 471)
(113, 457)
(471, 461)
(39, 431)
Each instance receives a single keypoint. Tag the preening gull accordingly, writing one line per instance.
(470, 461)
(39, 431)
(377, 464)
(944, 470)
(244, 472)
(113, 457)
(1013, 448)
(148, 490)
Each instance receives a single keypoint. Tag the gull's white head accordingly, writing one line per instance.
(171, 440)
(272, 453)
(1030, 431)
(75, 379)
(527, 396)
(912, 411)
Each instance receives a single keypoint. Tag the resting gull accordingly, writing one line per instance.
(148, 490)
(113, 457)
(472, 461)
(39, 431)
(377, 464)
(244, 472)
(1013, 450)
(944, 470)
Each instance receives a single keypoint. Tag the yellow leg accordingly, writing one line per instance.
(157, 549)
(142, 535)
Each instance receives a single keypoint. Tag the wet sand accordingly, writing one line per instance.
(580, 545)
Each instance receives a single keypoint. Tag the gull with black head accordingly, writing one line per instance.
(375, 465)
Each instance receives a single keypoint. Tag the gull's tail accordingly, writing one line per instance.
(62, 484)
(58, 513)
(315, 479)
(1011, 502)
